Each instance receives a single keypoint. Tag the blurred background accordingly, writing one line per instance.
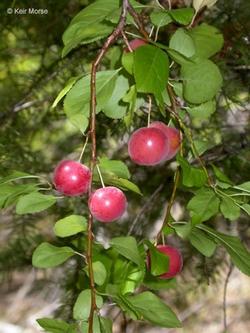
(34, 138)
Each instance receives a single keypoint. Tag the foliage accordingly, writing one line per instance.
(189, 63)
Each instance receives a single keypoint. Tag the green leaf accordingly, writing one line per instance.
(9, 193)
(220, 175)
(191, 176)
(182, 43)
(237, 251)
(100, 325)
(128, 62)
(183, 230)
(88, 26)
(54, 325)
(203, 205)
(82, 305)
(202, 242)
(207, 39)
(65, 90)
(201, 81)
(123, 184)
(202, 145)
(131, 99)
(160, 18)
(77, 101)
(179, 58)
(115, 167)
(105, 325)
(245, 187)
(80, 33)
(182, 15)
(16, 175)
(114, 55)
(47, 255)
(202, 111)
(133, 279)
(34, 202)
(229, 209)
(159, 262)
(152, 309)
(70, 225)
(100, 273)
(178, 89)
(115, 108)
(127, 247)
(151, 69)
(78, 120)
(246, 208)
(155, 283)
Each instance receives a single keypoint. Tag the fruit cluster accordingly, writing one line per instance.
(148, 146)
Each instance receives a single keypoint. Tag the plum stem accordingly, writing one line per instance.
(100, 175)
(149, 109)
(84, 147)
(126, 41)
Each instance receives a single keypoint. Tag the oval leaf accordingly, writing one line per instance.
(152, 309)
(34, 202)
(70, 225)
(127, 247)
(182, 43)
(237, 251)
(151, 69)
(47, 255)
(201, 81)
(83, 304)
(203, 205)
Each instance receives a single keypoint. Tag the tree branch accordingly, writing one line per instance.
(110, 40)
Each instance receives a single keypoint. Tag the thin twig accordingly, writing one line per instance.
(138, 21)
(225, 297)
(109, 41)
(126, 41)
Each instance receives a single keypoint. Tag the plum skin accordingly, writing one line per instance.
(147, 146)
(173, 136)
(135, 44)
(107, 204)
(71, 178)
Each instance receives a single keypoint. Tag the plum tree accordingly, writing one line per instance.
(107, 204)
(147, 146)
(71, 178)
